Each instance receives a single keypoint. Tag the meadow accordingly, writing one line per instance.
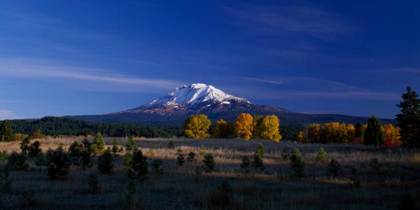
(182, 187)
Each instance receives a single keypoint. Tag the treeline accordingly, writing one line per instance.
(58, 126)
(246, 127)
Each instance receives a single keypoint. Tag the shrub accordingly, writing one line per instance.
(334, 167)
(93, 182)
(375, 165)
(202, 151)
(24, 145)
(128, 157)
(4, 176)
(245, 165)
(354, 182)
(180, 159)
(34, 149)
(17, 161)
(59, 164)
(171, 145)
(157, 166)
(258, 163)
(285, 155)
(209, 163)
(75, 153)
(298, 163)
(407, 202)
(3, 156)
(322, 156)
(106, 162)
(151, 152)
(260, 150)
(129, 146)
(139, 165)
(40, 160)
(115, 146)
(191, 157)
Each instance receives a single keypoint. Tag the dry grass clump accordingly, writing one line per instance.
(393, 173)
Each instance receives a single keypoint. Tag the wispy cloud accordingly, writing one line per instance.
(263, 80)
(7, 114)
(23, 68)
(277, 20)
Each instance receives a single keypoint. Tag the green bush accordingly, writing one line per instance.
(17, 161)
(94, 185)
(171, 145)
(130, 145)
(59, 164)
(297, 163)
(245, 165)
(98, 144)
(322, 156)
(128, 157)
(334, 167)
(202, 151)
(86, 153)
(285, 155)
(180, 159)
(191, 157)
(157, 166)
(260, 150)
(258, 163)
(106, 162)
(139, 165)
(115, 146)
(209, 163)
(75, 153)
(24, 145)
(34, 149)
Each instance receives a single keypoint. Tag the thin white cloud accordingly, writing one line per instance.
(263, 80)
(7, 115)
(23, 68)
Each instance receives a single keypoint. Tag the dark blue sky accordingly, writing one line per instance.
(93, 57)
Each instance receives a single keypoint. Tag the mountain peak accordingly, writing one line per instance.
(195, 94)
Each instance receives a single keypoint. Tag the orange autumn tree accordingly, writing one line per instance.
(197, 126)
(392, 134)
(244, 126)
(269, 128)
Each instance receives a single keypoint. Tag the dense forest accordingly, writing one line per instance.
(54, 126)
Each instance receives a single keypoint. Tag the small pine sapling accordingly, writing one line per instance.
(322, 156)
(297, 163)
(94, 185)
(17, 161)
(202, 151)
(334, 167)
(260, 150)
(258, 163)
(106, 162)
(180, 159)
(157, 166)
(171, 145)
(130, 145)
(34, 149)
(191, 157)
(245, 165)
(209, 163)
(375, 165)
(115, 144)
(285, 153)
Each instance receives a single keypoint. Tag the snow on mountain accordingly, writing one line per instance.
(196, 94)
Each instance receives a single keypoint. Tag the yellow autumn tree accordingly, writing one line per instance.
(392, 134)
(301, 137)
(244, 126)
(197, 126)
(269, 128)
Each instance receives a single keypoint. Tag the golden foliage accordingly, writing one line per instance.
(328, 133)
(269, 128)
(244, 126)
(20, 136)
(197, 126)
(392, 134)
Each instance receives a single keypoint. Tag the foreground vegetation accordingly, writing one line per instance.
(222, 174)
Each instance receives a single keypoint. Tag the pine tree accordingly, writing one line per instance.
(180, 159)
(24, 145)
(106, 162)
(373, 132)
(6, 132)
(409, 119)
(34, 149)
(93, 182)
(139, 164)
(129, 146)
(260, 150)
(87, 153)
(359, 130)
(298, 163)
(171, 145)
(322, 156)
(209, 163)
(115, 146)
(59, 164)
(98, 143)
(75, 153)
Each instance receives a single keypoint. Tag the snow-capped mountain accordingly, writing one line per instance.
(184, 101)
(195, 99)
(196, 94)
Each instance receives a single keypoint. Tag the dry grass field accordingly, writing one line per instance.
(181, 188)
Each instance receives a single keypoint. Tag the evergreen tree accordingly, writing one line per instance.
(139, 165)
(17, 161)
(322, 156)
(358, 130)
(24, 145)
(129, 146)
(6, 132)
(191, 157)
(98, 143)
(298, 163)
(87, 153)
(180, 159)
(59, 164)
(373, 132)
(157, 166)
(75, 153)
(93, 182)
(171, 145)
(106, 162)
(34, 149)
(209, 163)
(115, 146)
(260, 150)
(409, 119)
(257, 162)
(128, 157)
